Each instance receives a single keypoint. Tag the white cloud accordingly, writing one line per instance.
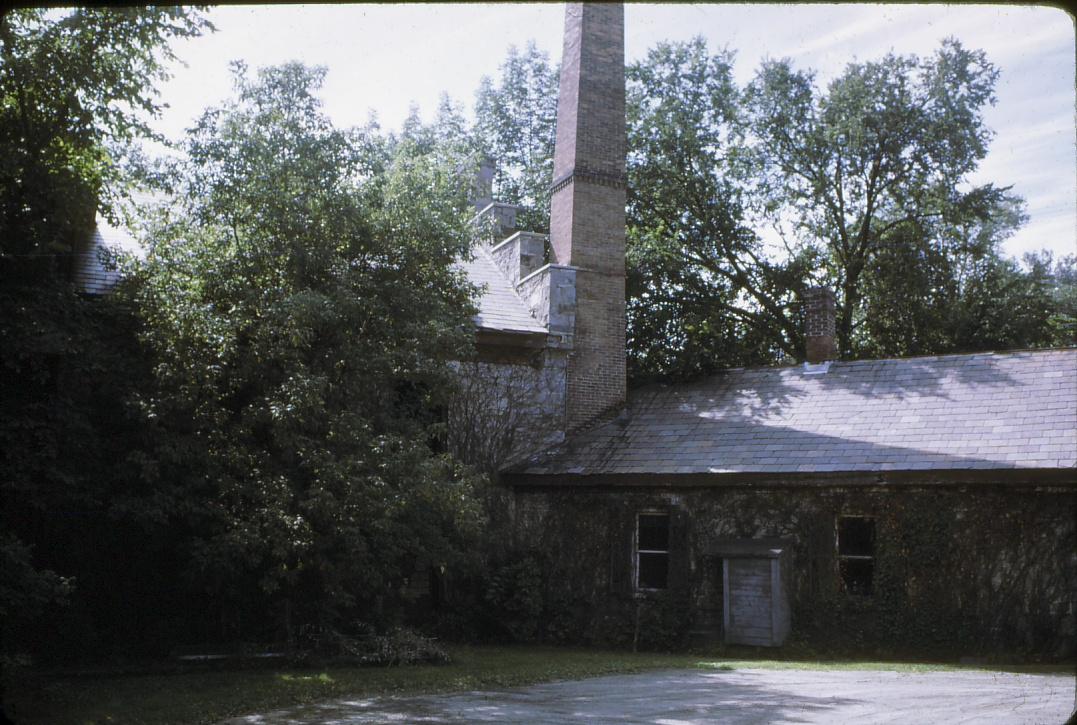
(1057, 234)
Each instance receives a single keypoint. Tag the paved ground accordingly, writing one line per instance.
(681, 697)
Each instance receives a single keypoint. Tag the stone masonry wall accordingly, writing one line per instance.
(504, 410)
(974, 570)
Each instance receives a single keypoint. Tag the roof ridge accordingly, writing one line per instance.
(863, 361)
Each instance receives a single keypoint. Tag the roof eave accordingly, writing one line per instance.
(510, 338)
(1049, 477)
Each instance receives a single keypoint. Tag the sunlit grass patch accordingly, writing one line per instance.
(729, 665)
(322, 677)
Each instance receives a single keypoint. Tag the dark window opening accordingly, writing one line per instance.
(856, 554)
(652, 551)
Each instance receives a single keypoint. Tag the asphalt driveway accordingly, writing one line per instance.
(681, 697)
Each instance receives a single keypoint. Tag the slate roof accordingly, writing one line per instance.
(980, 411)
(500, 308)
(94, 272)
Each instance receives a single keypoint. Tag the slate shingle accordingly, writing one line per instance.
(500, 308)
(982, 411)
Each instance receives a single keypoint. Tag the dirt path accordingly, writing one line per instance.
(681, 697)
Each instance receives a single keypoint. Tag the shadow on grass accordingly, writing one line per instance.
(216, 693)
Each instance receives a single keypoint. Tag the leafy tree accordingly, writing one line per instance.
(866, 183)
(702, 293)
(871, 174)
(1063, 291)
(301, 304)
(1011, 305)
(957, 293)
(516, 124)
(448, 139)
(76, 86)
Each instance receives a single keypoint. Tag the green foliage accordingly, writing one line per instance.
(395, 647)
(528, 598)
(403, 646)
(1057, 280)
(76, 87)
(958, 294)
(516, 123)
(864, 182)
(702, 293)
(300, 305)
(658, 622)
(870, 174)
(514, 593)
(23, 589)
(24, 593)
(939, 588)
(566, 615)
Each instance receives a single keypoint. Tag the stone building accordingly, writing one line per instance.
(911, 503)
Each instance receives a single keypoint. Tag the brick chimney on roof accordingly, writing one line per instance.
(587, 214)
(820, 309)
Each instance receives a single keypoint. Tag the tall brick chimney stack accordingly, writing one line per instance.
(587, 214)
(820, 309)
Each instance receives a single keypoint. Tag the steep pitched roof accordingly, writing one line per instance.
(981, 411)
(500, 308)
(94, 269)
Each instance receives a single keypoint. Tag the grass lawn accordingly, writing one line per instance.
(206, 697)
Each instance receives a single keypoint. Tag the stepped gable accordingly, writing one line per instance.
(501, 309)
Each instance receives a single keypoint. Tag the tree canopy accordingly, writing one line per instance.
(872, 175)
(702, 293)
(76, 86)
(516, 124)
(739, 198)
(301, 302)
(246, 430)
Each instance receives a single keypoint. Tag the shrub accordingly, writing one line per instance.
(514, 595)
(398, 646)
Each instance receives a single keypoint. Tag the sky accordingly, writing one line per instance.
(387, 57)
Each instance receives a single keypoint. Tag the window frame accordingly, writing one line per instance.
(840, 558)
(637, 551)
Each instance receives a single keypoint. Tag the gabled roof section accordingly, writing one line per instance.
(94, 269)
(95, 273)
(983, 411)
(501, 309)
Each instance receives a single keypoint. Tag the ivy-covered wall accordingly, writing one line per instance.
(985, 569)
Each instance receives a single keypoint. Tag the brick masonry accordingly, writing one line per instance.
(587, 209)
(820, 310)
